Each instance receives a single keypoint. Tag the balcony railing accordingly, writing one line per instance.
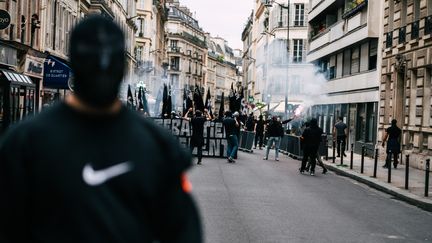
(194, 39)
(353, 7)
(174, 49)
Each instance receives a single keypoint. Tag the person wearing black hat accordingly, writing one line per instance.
(311, 139)
(91, 170)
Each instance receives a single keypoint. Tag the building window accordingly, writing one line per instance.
(173, 43)
(428, 25)
(139, 53)
(346, 62)
(389, 39)
(332, 73)
(371, 122)
(298, 51)
(141, 24)
(355, 60)
(373, 54)
(402, 35)
(175, 63)
(299, 15)
(415, 30)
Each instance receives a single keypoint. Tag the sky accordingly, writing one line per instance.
(223, 18)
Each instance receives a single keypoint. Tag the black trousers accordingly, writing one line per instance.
(341, 140)
(259, 137)
(199, 148)
(309, 154)
(389, 158)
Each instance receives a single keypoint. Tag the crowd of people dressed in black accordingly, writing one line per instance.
(270, 130)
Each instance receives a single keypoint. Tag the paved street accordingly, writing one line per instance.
(267, 201)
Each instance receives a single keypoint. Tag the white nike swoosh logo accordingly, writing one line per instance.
(95, 178)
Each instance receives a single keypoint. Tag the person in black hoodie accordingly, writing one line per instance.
(90, 169)
(274, 134)
(311, 139)
(250, 123)
(259, 131)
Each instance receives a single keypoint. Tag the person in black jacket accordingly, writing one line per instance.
(392, 134)
(90, 169)
(274, 134)
(311, 139)
(197, 138)
(259, 131)
(250, 123)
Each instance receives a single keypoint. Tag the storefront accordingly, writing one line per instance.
(361, 119)
(33, 68)
(17, 98)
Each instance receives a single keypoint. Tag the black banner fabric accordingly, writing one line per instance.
(215, 143)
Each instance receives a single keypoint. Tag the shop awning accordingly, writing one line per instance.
(56, 73)
(15, 78)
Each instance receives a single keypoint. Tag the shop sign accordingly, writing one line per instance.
(56, 74)
(4, 19)
(34, 66)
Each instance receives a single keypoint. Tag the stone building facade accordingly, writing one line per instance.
(344, 45)
(186, 52)
(405, 88)
(37, 41)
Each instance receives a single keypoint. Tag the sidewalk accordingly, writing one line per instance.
(416, 188)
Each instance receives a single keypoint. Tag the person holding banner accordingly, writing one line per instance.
(197, 139)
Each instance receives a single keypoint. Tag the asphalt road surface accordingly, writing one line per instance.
(256, 200)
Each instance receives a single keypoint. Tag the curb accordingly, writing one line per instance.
(384, 187)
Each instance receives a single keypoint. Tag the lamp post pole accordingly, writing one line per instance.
(288, 60)
(288, 55)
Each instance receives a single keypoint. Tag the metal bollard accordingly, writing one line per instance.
(388, 162)
(375, 163)
(406, 171)
(334, 152)
(362, 159)
(326, 153)
(341, 156)
(427, 178)
(352, 156)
